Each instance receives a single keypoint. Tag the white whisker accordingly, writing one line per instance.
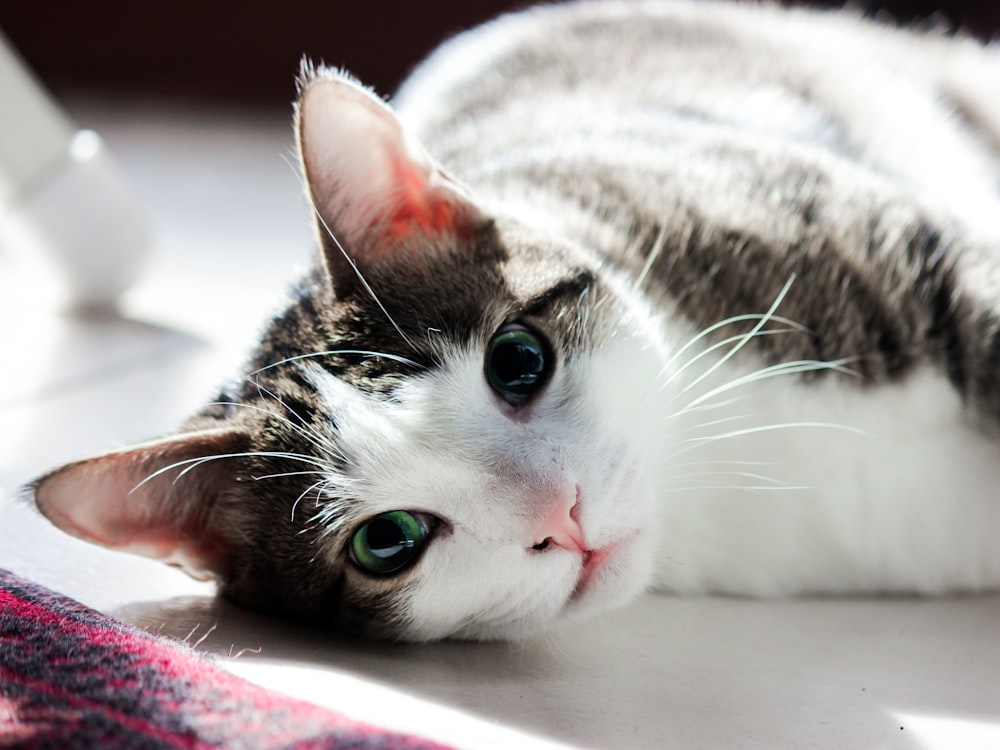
(708, 406)
(794, 326)
(747, 487)
(728, 462)
(768, 316)
(336, 510)
(193, 463)
(714, 423)
(772, 371)
(310, 435)
(318, 486)
(364, 282)
(287, 474)
(745, 474)
(321, 441)
(719, 345)
(654, 253)
(697, 442)
(332, 352)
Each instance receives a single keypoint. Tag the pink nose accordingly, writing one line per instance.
(562, 528)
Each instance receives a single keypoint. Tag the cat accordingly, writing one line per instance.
(613, 297)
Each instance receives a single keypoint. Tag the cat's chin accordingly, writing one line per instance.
(611, 577)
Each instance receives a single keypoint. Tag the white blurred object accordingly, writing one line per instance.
(63, 194)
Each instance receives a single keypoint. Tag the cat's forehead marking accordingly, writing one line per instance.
(537, 265)
(569, 288)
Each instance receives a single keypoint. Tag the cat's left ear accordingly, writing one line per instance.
(378, 195)
(157, 499)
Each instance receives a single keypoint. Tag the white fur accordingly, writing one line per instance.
(891, 489)
(897, 494)
(911, 505)
(436, 447)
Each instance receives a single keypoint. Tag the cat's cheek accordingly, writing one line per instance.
(509, 593)
(471, 590)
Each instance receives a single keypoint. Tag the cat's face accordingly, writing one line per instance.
(507, 458)
(447, 433)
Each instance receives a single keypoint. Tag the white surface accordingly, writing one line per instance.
(687, 673)
(35, 131)
(63, 194)
(83, 214)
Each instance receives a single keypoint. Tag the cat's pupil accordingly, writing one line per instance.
(516, 363)
(386, 539)
(390, 542)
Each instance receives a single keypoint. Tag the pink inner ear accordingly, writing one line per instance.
(92, 501)
(101, 501)
(373, 185)
(419, 205)
(102, 511)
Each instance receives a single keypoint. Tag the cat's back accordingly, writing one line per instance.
(651, 86)
(719, 149)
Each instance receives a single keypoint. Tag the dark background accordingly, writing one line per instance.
(247, 51)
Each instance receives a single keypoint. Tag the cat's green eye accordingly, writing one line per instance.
(389, 542)
(516, 363)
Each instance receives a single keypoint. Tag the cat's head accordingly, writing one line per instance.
(446, 433)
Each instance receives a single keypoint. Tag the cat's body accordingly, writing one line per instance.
(819, 197)
(742, 145)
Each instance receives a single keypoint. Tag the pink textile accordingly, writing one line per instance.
(72, 677)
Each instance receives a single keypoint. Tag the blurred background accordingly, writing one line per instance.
(246, 52)
(194, 101)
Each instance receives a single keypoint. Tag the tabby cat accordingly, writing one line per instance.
(614, 297)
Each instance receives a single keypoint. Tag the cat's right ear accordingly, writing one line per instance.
(158, 499)
(378, 196)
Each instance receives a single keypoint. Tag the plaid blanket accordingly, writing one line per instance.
(72, 678)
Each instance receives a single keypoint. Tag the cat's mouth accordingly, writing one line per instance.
(593, 562)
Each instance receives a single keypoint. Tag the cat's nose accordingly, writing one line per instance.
(562, 528)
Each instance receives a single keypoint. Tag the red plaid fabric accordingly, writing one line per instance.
(72, 678)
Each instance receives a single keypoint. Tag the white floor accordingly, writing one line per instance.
(666, 673)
